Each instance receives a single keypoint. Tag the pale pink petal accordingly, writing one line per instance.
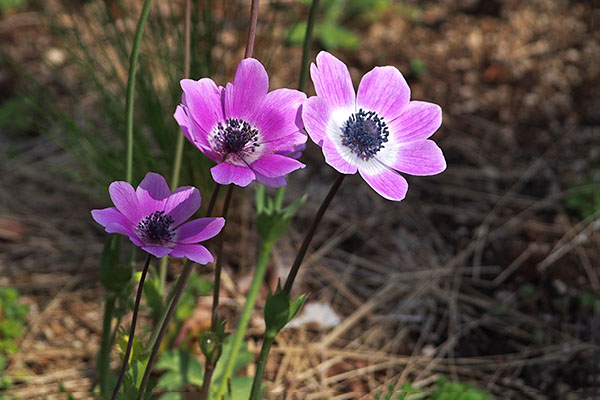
(332, 81)
(158, 251)
(383, 90)
(199, 230)
(335, 159)
(388, 183)
(182, 204)
(275, 165)
(226, 173)
(315, 115)
(419, 158)
(125, 199)
(248, 91)
(418, 121)
(195, 252)
(203, 101)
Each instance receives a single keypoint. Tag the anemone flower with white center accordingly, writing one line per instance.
(249, 133)
(376, 132)
(153, 218)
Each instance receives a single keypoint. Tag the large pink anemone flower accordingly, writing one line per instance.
(153, 218)
(249, 133)
(377, 131)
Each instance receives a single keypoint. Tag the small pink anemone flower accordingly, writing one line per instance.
(249, 132)
(376, 132)
(153, 218)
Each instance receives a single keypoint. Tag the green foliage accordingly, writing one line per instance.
(584, 199)
(153, 294)
(273, 221)
(11, 5)
(279, 310)
(591, 300)
(417, 66)
(443, 390)
(182, 368)
(335, 15)
(197, 287)
(12, 326)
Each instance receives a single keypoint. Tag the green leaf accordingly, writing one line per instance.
(296, 34)
(114, 275)
(241, 387)
(153, 294)
(279, 310)
(182, 368)
(244, 358)
(334, 36)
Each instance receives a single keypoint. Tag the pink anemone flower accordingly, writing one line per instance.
(249, 133)
(153, 218)
(377, 131)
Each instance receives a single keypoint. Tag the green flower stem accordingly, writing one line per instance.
(133, 61)
(136, 308)
(268, 341)
(209, 367)
(260, 367)
(257, 280)
(180, 138)
(179, 289)
(310, 24)
(105, 344)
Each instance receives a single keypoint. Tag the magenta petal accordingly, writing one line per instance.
(158, 251)
(315, 115)
(271, 182)
(275, 165)
(199, 230)
(388, 183)
(226, 173)
(332, 81)
(249, 88)
(279, 115)
(203, 101)
(182, 204)
(184, 122)
(125, 199)
(195, 252)
(420, 158)
(110, 215)
(152, 192)
(335, 159)
(383, 90)
(418, 121)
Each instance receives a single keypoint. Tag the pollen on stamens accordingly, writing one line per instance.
(365, 133)
(236, 136)
(155, 228)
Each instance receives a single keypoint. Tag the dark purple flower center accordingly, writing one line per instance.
(155, 228)
(365, 133)
(236, 136)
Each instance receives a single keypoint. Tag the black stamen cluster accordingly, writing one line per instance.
(155, 228)
(365, 133)
(236, 136)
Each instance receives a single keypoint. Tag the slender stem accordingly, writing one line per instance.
(182, 283)
(105, 345)
(180, 138)
(209, 367)
(133, 61)
(157, 336)
(310, 24)
(311, 232)
(257, 280)
(252, 29)
(138, 298)
(260, 367)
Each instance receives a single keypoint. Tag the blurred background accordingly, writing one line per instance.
(486, 275)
